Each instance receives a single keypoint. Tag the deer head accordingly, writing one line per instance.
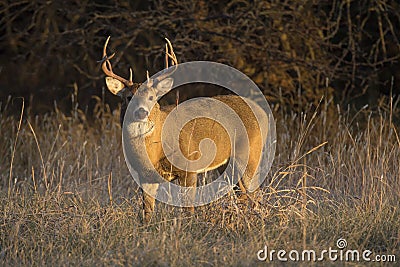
(146, 97)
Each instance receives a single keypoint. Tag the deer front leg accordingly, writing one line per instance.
(189, 180)
(148, 200)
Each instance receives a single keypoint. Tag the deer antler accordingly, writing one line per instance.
(169, 54)
(107, 68)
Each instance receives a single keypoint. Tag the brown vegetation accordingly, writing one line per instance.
(291, 49)
(67, 197)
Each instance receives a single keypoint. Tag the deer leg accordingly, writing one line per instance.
(148, 200)
(248, 171)
(238, 170)
(249, 184)
(189, 180)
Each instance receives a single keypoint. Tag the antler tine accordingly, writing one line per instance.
(166, 56)
(107, 68)
(130, 75)
(169, 54)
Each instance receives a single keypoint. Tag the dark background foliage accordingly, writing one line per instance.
(296, 51)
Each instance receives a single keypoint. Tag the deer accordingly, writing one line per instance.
(145, 131)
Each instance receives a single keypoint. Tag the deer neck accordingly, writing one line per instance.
(146, 136)
(140, 129)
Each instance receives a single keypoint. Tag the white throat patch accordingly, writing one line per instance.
(140, 129)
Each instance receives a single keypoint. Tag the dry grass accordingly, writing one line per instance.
(68, 198)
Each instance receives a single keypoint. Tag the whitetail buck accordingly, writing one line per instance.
(148, 117)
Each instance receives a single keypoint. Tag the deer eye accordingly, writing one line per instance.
(151, 98)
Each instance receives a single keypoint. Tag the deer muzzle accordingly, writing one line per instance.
(140, 114)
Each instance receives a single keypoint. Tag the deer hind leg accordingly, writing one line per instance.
(249, 185)
(189, 180)
(250, 177)
(148, 200)
(249, 182)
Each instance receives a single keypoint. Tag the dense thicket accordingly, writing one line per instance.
(296, 51)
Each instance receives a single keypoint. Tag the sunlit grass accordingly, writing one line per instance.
(67, 197)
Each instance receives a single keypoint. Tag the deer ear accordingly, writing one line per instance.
(114, 85)
(164, 86)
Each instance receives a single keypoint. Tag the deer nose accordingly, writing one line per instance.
(141, 114)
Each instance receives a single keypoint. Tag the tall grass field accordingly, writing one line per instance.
(67, 197)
